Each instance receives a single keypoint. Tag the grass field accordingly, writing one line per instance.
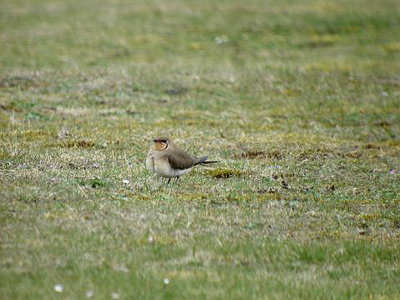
(299, 100)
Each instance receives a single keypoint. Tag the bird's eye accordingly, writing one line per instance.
(161, 141)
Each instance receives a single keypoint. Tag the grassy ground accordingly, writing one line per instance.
(299, 100)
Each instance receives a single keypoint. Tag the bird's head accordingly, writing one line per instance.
(161, 143)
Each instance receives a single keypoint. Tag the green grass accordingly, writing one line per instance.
(299, 100)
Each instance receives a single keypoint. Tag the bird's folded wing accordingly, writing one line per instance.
(179, 159)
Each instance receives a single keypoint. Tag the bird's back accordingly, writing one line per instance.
(179, 159)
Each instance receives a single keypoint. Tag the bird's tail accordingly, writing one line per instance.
(203, 161)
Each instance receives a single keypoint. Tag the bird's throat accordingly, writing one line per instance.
(160, 146)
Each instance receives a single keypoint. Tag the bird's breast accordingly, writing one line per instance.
(163, 168)
(150, 163)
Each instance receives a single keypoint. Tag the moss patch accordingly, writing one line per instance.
(225, 173)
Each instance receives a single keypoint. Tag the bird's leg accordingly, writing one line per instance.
(169, 179)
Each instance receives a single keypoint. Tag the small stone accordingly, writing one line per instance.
(63, 133)
(59, 288)
(89, 294)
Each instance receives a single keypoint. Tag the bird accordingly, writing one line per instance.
(167, 160)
